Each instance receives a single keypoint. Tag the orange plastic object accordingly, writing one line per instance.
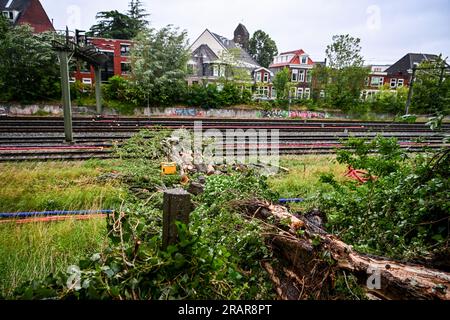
(168, 168)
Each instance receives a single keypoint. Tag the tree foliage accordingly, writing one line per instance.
(138, 15)
(116, 25)
(403, 211)
(29, 67)
(281, 83)
(344, 52)
(262, 48)
(344, 77)
(431, 92)
(159, 63)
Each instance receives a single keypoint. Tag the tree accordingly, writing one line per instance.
(345, 75)
(431, 91)
(344, 52)
(262, 48)
(281, 84)
(159, 61)
(29, 67)
(138, 15)
(116, 25)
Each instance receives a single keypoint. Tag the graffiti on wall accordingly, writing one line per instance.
(292, 114)
(230, 113)
(184, 112)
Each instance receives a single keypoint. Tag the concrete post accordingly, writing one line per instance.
(65, 87)
(98, 89)
(177, 207)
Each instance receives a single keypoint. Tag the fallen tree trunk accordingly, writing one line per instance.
(312, 257)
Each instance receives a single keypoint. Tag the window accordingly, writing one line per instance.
(124, 50)
(258, 77)
(263, 91)
(307, 93)
(8, 15)
(85, 67)
(322, 94)
(308, 76)
(126, 67)
(292, 93)
(400, 83)
(87, 81)
(301, 77)
(221, 71)
(191, 70)
(266, 77)
(215, 70)
(300, 93)
(72, 80)
(294, 75)
(304, 60)
(377, 81)
(366, 82)
(393, 83)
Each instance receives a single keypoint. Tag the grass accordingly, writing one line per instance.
(32, 251)
(303, 178)
(56, 186)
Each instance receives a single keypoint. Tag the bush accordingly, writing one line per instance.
(213, 96)
(403, 212)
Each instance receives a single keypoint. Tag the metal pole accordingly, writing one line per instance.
(65, 87)
(98, 88)
(408, 102)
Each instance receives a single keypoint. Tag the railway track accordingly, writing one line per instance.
(42, 138)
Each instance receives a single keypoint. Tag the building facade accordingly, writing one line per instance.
(26, 12)
(118, 64)
(300, 67)
(214, 57)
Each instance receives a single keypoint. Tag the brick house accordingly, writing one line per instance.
(300, 67)
(118, 52)
(263, 78)
(400, 73)
(376, 79)
(393, 76)
(30, 12)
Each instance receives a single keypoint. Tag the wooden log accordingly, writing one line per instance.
(176, 207)
(380, 277)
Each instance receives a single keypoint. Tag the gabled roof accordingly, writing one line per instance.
(299, 52)
(295, 59)
(207, 54)
(408, 61)
(265, 69)
(18, 5)
(30, 12)
(244, 56)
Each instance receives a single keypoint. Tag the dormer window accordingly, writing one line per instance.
(303, 59)
(258, 77)
(10, 15)
(266, 77)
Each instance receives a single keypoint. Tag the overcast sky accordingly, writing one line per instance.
(388, 28)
